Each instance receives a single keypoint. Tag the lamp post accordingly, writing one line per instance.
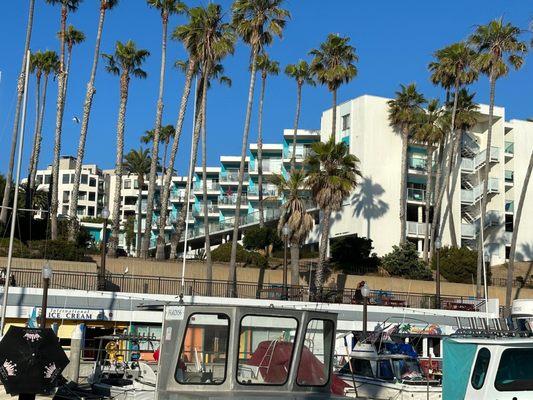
(365, 292)
(286, 232)
(47, 275)
(101, 271)
(438, 245)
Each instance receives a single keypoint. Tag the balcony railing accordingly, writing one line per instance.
(509, 147)
(268, 168)
(416, 228)
(231, 200)
(267, 192)
(416, 194)
(416, 163)
(471, 196)
(301, 154)
(509, 176)
(211, 186)
(211, 209)
(509, 206)
(232, 176)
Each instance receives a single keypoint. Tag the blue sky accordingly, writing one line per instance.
(394, 41)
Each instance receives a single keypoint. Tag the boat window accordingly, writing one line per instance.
(266, 346)
(515, 372)
(480, 368)
(407, 369)
(315, 361)
(203, 354)
(385, 370)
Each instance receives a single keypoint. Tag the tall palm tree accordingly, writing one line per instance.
(137, 162)
(256, 22)
(167, 131)
(294, 214)
(20, 95)
(334, 64)
(430, 132)
(50, 65)
(166, 9)
(37, 61)
(499, 47)
(126, 62)
(266, 67)
(333, 174)
(404, 112)
(105, 5)
(66, 7)
(453, 66)
(72, 37)
(301, 72)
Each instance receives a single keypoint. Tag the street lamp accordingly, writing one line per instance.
(47, 275)
(365, 292)
(101, 271)
(286, 231)
(438, 245)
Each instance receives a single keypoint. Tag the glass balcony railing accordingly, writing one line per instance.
(267, 192)
(419, 164)
(300, 154)
(417, 228)
(232, 176)
(211, 186)
(231, 200)
(509, 206)
(509, 147)
(416, 194)
(509, 176)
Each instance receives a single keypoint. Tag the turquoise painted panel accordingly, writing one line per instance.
(416, 149)
(456, 366)
(417, 179)
(346, 140)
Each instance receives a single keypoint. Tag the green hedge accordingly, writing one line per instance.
(458, 265)
(223, 254)
(404, 261)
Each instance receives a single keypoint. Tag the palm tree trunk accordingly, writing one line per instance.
(140, 180)
(454, 178)
(295, 264)
(484, 198)
(117, 195)
(449, 164)
(436, 195)
(29, 188)
(233, 259)
(87, 106)
(39, 138)
(155, 143)
(196, 135)
(260, 150)
(403, 192)
(514, 239)
(296, 122)
(160, 250)
(334, 114)
(322, 251)
(59, 125)
(209, 263)
(429, 196)
(20, 94)
(164, 166)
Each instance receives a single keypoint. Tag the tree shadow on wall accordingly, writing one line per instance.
(368, 203)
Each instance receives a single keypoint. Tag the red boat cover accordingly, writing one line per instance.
(274, 369)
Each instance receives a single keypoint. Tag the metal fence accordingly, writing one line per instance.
(249, 290)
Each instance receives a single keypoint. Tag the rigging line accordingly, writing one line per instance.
(26, 209)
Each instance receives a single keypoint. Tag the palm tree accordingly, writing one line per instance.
(498, 47)
(165, 134)
(301, 72)
(105, 5)
(20, 95)
(333, 173)
(66, 7)
(294, 214)
(430, 132)
(126, 62)
(166, 8)
(266, 67)
(256, 22)
(453, 68)
(72, 37)
(403, 115)
(334, 64)
(137, 162)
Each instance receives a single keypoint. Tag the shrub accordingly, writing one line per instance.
(223, 254)
(353, 254)
(403, 261)
(56, 250)
(19, 248)
(458, 265)
(257, 238)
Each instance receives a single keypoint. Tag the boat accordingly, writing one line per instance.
(235, 352)
(488, 364)
(385, 372)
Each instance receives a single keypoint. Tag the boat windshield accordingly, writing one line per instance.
(203, 354)
(407, 369)
(515, 372)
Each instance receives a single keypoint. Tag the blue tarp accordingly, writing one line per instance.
(456, 366)
(401, 348)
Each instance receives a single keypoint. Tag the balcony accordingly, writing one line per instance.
(212, 187)
(509, 149)
(508, 237)
(472, 196)
(232, 177)
(509, 178)
(418, 195)
(417, 164)
(300, 155)
(417, 229)
(471, 165)
(268, 168)
(253, 192)
(231, 201)
(509, 206)
(212, 211)
(492, 218)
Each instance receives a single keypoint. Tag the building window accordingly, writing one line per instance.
(136, 184)
(84, 179)
(127, 184)
(92, 182)
(66, 178)
(83, 196)
(47, 179)
(91, 211)
(345, 122)
(39, 179)
(64, 210)
(92, 196)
